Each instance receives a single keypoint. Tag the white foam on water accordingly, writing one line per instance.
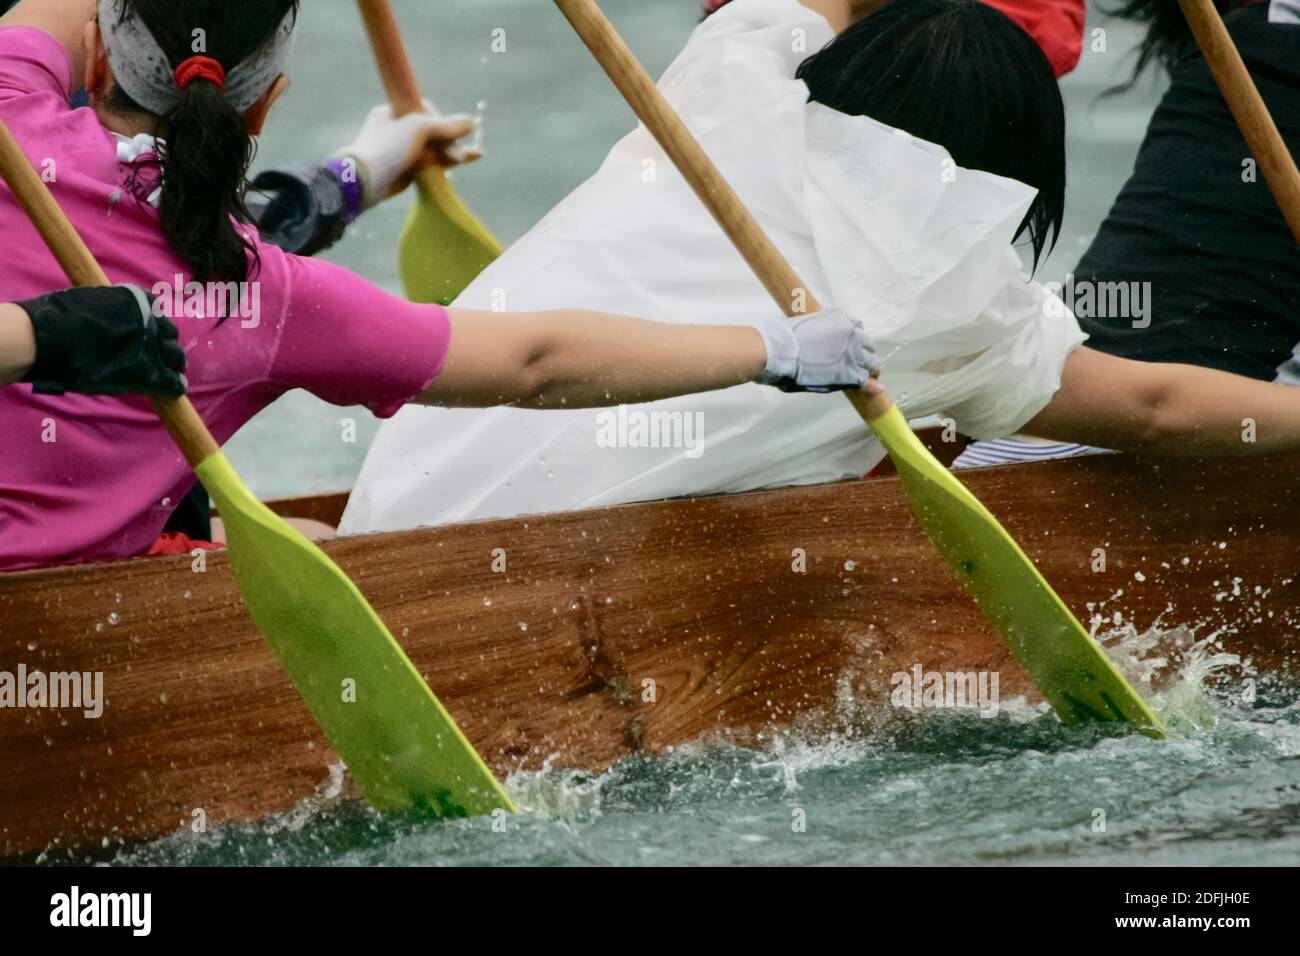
(1188, 678)
(1182, 676)
(559, 795)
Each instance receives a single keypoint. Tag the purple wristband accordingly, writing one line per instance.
(345, 171)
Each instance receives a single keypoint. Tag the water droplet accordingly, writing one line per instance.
(115, 618)
(487, 602)
(523, 625)
(850, 565)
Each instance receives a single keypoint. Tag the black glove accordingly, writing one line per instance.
(104, 341)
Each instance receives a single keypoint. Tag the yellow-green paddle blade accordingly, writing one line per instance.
(443, 247)
(1066, 665)
(401, 746)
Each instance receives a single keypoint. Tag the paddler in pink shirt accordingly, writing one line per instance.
(152, 174)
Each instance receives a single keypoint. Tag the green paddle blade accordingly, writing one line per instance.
(400, 745)
(1066, 665)
(443, 247)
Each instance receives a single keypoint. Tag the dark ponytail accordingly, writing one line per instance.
(205, 160)
(207, 147)
(1168, 38)
(963, 75)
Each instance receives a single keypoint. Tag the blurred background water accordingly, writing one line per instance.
(549, 117)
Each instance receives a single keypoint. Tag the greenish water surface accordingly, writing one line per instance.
(945, 789)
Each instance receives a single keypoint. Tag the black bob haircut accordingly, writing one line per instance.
(964, 76)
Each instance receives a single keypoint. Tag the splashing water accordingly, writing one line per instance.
(1190, 682)
(883, 787)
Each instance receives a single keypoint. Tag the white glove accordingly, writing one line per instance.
(827, 351)
(387, 151)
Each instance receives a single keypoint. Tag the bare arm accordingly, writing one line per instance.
(17, 344)
(1174, 411)
(569, 359)
(65, 20)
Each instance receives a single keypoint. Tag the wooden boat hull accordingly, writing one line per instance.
(611, 632)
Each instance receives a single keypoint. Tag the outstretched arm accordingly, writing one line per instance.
(575, 359)
(1165, 410)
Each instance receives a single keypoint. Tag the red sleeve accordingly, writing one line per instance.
(33, 62)
(350, 343)
(1057, 25)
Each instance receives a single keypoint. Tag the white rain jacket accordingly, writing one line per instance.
(873, 220)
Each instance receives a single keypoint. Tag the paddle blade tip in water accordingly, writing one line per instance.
(403, 749)
(1070, 669)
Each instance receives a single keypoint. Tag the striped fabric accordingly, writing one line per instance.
(1010, 451)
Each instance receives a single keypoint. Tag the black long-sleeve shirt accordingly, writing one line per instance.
(1198, 222)
(301, 211)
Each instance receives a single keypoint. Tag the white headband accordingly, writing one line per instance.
(145, 74)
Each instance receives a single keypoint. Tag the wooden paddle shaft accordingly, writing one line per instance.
(400, 84)
(1247, 106)
(177, 413)
(789, 292)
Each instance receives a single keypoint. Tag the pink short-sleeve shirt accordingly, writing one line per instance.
(91, 478)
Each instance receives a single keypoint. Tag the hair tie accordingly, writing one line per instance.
(199, 68)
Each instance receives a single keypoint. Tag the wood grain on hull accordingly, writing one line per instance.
(549, 659)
